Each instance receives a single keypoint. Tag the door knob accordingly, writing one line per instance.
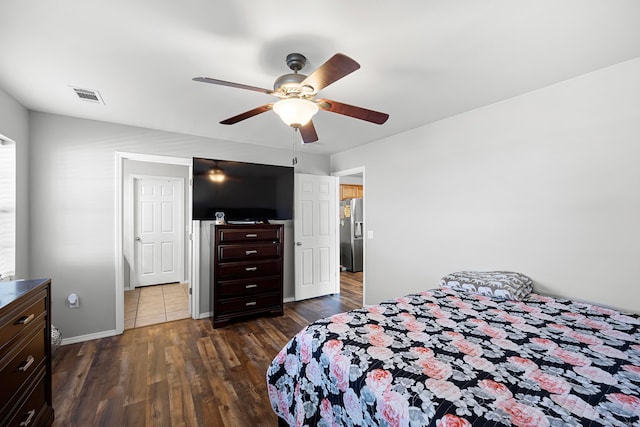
(138, 239)
(298, 243)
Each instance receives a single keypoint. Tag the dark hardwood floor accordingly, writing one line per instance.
(184, 373)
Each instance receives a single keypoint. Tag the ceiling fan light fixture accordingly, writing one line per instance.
(295, 112)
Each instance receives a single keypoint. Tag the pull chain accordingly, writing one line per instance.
(294, 160)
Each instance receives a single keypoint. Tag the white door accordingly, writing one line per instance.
(316, 269)
(158, 234)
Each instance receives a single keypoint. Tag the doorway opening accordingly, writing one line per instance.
(153, 304)
(351, 229)
(153, 251)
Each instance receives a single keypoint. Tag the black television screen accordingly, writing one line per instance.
(243, 191)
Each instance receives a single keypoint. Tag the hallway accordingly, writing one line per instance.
(149, 305)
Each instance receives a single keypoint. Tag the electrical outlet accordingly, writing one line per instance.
(73, 301)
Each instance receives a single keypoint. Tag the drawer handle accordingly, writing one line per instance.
(251, 286)
(251, 235)
(26, 319)
(25, 365)
(250, 303)
(251, 269)
(29, 418)
(251, 252)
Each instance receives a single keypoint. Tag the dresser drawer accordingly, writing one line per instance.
(16, 321)
(248, 251)
(247, 234)
(19, 365)
(31, 412)
(249, 304)
(258, 268)
(237, 288)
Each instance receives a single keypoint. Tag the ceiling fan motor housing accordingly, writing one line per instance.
(287, 82)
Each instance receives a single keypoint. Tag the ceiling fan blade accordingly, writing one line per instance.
(308, 133)
(247, 114)
(352, 111)
(231, 84)
(334, 69)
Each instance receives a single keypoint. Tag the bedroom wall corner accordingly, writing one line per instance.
(545, 183)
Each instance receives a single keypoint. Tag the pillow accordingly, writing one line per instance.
(498, 284)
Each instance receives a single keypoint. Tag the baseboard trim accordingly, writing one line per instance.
(88, 337)
(290, 299)
(205, 315)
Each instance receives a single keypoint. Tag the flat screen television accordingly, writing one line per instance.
(243, 191)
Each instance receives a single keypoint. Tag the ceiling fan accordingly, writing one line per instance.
(296, 92)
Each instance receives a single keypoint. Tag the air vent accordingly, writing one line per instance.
(88, 95)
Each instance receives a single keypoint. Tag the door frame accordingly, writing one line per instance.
(120, 157)
(132, 246)
(347, 172)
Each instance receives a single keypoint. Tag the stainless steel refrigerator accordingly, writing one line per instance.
(351, 229)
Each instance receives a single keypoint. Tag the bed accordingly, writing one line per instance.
(462, 355)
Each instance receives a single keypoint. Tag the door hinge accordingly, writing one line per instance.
(190, 291)
(190, 236)
(190, 182)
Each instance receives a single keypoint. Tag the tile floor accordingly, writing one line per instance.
(149, 305)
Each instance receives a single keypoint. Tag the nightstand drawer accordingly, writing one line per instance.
(249, 269)
(249, 304)
(245, 252)
(248, 234)
(28, 354)
(237, 288)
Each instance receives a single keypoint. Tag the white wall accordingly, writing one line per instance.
(14, 124)
(73, 204)
(547, 184)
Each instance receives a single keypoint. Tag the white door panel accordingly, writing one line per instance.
(315, 231)
(158, 210)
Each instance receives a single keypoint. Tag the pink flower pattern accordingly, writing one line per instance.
(523, 415)
(596, 374)
(495, 389)
(394, 409)
(435, 368)
(460, 359)
(379, 381)
(450, 420)
(626, 402)
(576, 405)
(550, 383)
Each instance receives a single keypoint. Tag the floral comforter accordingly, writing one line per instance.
(444, 358)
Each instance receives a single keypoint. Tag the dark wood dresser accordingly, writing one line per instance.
(25, 353)
(246, 273)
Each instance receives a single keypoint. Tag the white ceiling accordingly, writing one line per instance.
(422, 60)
